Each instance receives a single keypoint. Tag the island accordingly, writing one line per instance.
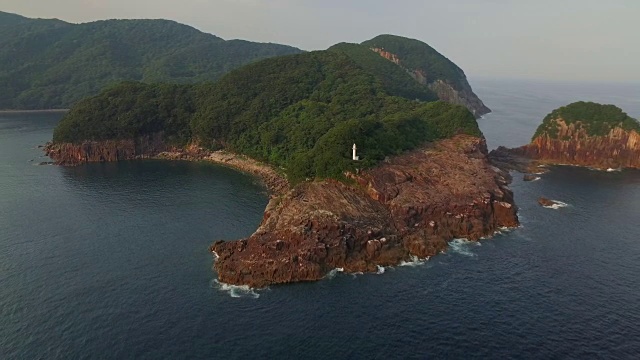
(584, 134)
(367, 166)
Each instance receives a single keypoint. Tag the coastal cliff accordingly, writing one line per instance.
(618, 149)
(153, 147)
(581, 134)
(407, 207)
(430, 68)
(71, 154)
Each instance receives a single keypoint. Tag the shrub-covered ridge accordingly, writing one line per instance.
(596, 119)
(299, 112)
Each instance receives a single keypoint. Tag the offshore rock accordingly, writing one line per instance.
(408, 206)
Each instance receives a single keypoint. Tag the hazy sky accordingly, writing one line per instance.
(594, 40)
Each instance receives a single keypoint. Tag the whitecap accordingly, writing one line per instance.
(557, 205)
(236, 291)
(462, 246)
(613, 170)
(415, 261)
(331, 274)
(380, 270)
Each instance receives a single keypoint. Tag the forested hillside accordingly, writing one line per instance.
(299, 112)
(47, 63)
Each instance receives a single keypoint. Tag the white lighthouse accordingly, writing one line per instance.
(355, 157)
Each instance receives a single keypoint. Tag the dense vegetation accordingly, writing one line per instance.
(53, 64)
(596, 119)
(416, 55)
(299, 112)
(395, 79)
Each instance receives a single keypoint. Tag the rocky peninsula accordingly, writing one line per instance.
(407, 207)
(421, 176)
(581, 134)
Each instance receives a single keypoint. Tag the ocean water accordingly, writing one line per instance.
(110, 261)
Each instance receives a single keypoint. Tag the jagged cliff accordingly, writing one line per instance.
(106, 150)
(409, 206)
(430, 68)
(582, 134)
(619, 148)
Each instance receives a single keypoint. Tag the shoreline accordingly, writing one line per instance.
(276, 184)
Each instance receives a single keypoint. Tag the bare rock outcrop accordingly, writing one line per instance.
(408, 206)
(619, 148)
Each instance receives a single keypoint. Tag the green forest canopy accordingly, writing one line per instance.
(299, 112)
(416, 55)
(48, 63)
(597, 119)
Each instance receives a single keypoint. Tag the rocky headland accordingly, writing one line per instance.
(454, 89)
(407, 207)
(581, 134)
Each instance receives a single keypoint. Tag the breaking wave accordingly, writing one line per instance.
(463, 247)
(380, 270)
(557, 205)
(235, 291)
(331, 274)
(415, 261)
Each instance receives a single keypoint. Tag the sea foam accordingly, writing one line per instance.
(557, 205)
(236, 291)
(331, 274)
(463, 247)
(415, 261)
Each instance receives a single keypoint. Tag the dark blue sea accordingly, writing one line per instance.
(110, 261)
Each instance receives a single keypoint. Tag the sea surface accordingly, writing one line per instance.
(110, 261)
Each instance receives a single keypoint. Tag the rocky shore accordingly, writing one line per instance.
(153, 147)
(617, 149)
(407, 207)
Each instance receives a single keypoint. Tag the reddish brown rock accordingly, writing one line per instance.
(546, 202)
(108, 150)
(573, 146)
(408, 206)
(153, 146)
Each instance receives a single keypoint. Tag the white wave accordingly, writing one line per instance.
(536, 178)
(380, 270)
(613, 170)
(463, 246)
(331, 274)
(215, 255)
(236, 291)
(415, 261)
(557, 205)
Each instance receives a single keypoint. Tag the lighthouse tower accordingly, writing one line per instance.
(355, 157)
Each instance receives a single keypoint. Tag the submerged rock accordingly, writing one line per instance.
(546, 202)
